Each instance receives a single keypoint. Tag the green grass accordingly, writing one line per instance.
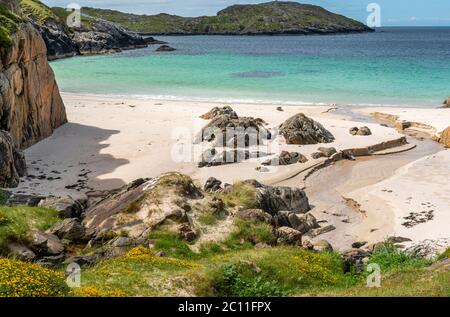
(389, 259)
(39, 11)
(247, 19)
(17, 222)
(249, 233)
(242, 194)
(8, 25)
(445, 255)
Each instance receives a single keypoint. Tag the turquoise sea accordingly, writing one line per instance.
(394, 66)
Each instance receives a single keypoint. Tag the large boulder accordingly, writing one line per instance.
(363, 131)
(275, 199)
(303, 130)
(216, 112)
(322, 246)
(213, 185)
(66, 206)
(226, 129)
(70, 229)
(445, 138)
(12, 161)
(303, 223)
(139, 208)
(45, 244)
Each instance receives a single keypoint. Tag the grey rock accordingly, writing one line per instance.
(322, 246)
(323, 230)
(216, 112)
(87, 260)
(275, 199)
(303, 223)
(288, 236)
(364, 131)
(353, 257)
(213, 185)
(52, 261)
(254, 215)
(20, 252)
(328, 151)
(70, 229)
(286, 158)
(358, 245)
(45, 244)
(165, 48)
(66, 206)
(302, 130)
(318, 155)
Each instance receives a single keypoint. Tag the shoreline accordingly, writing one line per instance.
(287, 103)
(98, 151)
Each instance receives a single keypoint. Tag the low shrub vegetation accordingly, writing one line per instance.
(19, 279)
(17, 222)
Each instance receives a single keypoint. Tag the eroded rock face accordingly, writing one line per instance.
(302, 130)
(12, 161)
(30, 104)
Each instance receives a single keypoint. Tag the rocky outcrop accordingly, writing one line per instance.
(275, 199)
(12, 161)
(30, 104)
(302, 130)
(165, 48)
(95, 36)
(104, 37)
(226, 129)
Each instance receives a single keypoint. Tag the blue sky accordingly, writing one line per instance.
(393, 12)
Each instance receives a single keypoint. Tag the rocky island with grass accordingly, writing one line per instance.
(276, 17)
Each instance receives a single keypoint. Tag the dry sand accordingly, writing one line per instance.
(111, 141)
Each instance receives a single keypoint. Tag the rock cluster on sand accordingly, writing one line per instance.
(233, 135)
(302, 130)
(286, 158)
(364, 131)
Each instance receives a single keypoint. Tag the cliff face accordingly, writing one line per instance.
(30, 104)
(96, 36)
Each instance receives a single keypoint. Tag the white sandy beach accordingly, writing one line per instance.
(111, 141)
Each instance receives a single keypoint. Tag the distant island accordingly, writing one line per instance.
(269, 18)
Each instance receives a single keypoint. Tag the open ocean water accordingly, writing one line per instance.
(394, 66)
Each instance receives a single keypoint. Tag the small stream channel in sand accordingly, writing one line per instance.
(327, 187)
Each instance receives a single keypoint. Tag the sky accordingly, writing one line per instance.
(393, 12)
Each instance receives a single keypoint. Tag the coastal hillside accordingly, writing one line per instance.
(265, 18)
(30, 104)
(95, 36)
